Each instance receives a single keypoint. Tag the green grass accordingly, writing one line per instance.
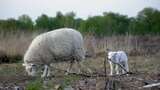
(35, 85)
(69, 79)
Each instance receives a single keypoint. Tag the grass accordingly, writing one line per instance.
(70, 79)
(143, 52)
(14, 45)
(149, 65)
(65, 81)
(35, 85)
(11, 69)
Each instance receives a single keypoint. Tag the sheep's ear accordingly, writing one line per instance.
(23, 64)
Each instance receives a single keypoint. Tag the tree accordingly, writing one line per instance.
(25, 22)
(11, 24)
(146, 22)
(59, 20)
(149, 21)
(42, 22)
(69, 20)
(115, 23)
(77, 23)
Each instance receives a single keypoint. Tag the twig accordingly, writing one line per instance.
(90, 75)
(151, 85)
(105, 70)
(121, 67)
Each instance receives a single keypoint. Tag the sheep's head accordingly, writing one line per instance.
(31, 69)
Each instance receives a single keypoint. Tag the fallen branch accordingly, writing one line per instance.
(151, 85)
(121, 67)
(90, 74)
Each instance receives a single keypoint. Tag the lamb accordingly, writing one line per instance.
(119, 57)
(55, 46)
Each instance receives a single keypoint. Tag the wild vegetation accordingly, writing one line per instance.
(146, 22)
(138, 36)
(143, 53)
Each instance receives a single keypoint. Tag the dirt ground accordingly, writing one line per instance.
(146, 70)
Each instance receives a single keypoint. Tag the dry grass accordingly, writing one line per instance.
(133, 45)
(13, 44)
(143, 53)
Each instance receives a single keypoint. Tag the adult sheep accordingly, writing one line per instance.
(59, 45)
(117, 58)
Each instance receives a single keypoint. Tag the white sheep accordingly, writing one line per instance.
(115, 58)
(59, 45)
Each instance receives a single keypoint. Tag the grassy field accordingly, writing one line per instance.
(143, 53)
(12, 74)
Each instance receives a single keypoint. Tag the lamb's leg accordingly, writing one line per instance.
(111, 68)
(122, 69)
(117, 69)
(126, 67)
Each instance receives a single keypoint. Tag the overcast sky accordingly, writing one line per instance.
(82, 8)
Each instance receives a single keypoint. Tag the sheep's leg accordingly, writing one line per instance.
(49, 72)
(80, 66)
(111, 68)
(69, 68)
(46, 71)
(45, 76)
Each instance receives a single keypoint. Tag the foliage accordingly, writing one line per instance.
(25, 22)
(146, 22)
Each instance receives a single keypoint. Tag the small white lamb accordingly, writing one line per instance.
(59, 45)
(119, 57)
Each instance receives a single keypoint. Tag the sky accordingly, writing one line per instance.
(82, 8)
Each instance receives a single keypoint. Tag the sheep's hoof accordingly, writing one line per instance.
(90, 71)
(79, 73)
(45, 84)
(66, 73)
(49, 75)
(57, 86)
(42, 76)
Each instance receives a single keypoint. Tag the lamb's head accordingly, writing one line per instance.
(31, 69)
(111, 55)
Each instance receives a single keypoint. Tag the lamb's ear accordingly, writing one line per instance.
(33, 64)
